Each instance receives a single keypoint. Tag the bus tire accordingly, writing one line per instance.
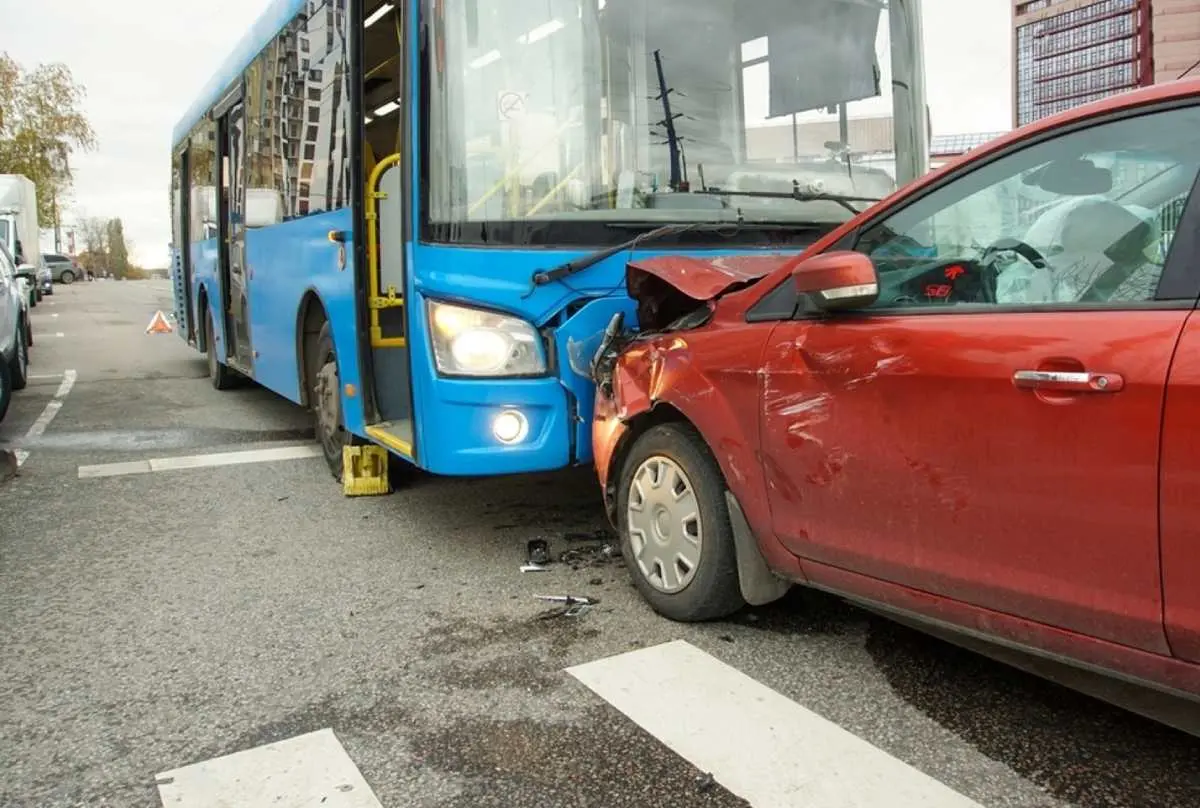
(221, 376)
(328, 422)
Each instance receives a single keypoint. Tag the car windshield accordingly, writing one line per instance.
(627, 110)
(5, 231)
(1149, 184)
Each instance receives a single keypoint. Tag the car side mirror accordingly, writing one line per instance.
(838, 281)
(27, 271)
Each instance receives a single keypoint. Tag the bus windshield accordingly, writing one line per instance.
(629, 110)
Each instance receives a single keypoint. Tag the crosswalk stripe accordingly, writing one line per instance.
(266, 455)
(311, 769)
(758, 744)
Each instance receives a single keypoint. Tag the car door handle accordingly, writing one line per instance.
(1068, 381)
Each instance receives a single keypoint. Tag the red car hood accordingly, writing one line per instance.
(670, 286)
(703, 278)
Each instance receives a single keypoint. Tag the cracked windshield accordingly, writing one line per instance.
(599, 404)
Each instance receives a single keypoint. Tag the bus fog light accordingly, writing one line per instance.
(510, 427)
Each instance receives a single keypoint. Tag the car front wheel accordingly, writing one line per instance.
(674, 525)
(18, 369)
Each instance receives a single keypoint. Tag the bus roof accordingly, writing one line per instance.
(277, 14)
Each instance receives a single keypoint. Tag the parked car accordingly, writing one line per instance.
(63, 268)
(45, 278)
(14, 347)
(972, 408)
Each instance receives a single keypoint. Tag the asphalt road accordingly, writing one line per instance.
(152, 621)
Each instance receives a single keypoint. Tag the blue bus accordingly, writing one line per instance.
(380, 207)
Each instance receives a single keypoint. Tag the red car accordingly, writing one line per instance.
(974, 407)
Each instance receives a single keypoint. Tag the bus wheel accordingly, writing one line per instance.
(327, 395)
(221, 376)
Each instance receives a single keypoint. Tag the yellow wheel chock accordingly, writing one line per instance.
(365, 471)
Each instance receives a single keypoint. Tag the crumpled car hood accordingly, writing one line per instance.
(704, 278)
(668, 287)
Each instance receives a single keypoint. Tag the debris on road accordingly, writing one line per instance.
(590, 535)
(591, 557)
(539, 552)
(534, 568)
(571, 605)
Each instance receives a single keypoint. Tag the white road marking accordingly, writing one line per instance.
(758, 744)
(44, 376)
(311, 769)
(58, 334)
(200, 461)
(52, 407)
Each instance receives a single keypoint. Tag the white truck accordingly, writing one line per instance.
(19, 223)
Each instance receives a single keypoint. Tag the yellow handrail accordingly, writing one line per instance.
(555, 190)
(520, 167)
(374, 293)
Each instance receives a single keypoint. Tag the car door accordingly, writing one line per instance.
(10, 306)
(1000, 447)
(1180, 504)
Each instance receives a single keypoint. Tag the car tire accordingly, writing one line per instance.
(690, 521)
(6, 390)
(68, 277)
(221, 376)
(28, 334)
(18, 366)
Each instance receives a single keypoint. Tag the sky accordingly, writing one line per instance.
(143, 61)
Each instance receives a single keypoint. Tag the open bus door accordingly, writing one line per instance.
(387, 279)
(231, 216)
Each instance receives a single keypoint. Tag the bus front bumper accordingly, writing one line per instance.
(515, 426)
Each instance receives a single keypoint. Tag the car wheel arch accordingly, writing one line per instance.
(759, 585)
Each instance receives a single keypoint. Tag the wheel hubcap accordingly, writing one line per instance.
(664, 524)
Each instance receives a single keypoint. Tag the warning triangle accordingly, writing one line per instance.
(159, 324)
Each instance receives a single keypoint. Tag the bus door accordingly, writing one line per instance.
(238, 350)
(181, 238)
(388, 312)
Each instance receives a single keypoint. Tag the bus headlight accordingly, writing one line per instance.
(475, 342)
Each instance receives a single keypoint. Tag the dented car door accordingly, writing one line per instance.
(989, 430)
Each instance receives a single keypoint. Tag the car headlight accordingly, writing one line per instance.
(475, 342)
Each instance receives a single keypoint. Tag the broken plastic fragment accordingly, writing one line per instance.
(539, 552)
(572, 605)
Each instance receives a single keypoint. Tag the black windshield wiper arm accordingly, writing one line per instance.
(800, 196)
(580, 264)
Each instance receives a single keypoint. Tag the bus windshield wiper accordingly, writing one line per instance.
(728, 229)
(561, 271)
(797, 194)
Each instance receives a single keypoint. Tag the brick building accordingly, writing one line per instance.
(1071, 52)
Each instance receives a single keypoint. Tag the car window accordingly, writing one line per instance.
(1084, 218)
(7, 270)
